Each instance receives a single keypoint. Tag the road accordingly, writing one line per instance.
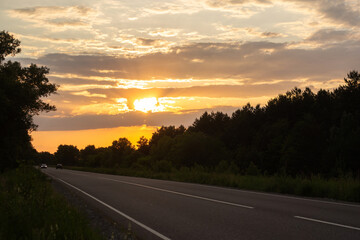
(172, 210)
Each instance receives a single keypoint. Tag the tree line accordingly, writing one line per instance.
(296, 133)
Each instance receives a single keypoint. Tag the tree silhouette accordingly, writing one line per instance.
(67, 155)
(8, 45)
(21, 90)
(170, 131)
(353, 79)
(143, 145)
(122, 151)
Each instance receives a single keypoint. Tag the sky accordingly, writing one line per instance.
(126, 67)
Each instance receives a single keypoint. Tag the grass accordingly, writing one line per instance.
(30, 209)
(345, 188)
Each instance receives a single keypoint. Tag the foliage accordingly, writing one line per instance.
(143, 145)
(45, 157)
(121, 151)
(345, 188)
(21, 90)
(8, 45)
(197, 148)
(31, 210)
(170, 131)
(67, 154)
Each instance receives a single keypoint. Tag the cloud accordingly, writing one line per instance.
(258, 61)
(216, 91)
(53, 11)
(271, 34)
(177, 7)
(58, 18)
(344, 12)
(330, 35)
(222, 3)
(164, 32)
(231, 32)
(63, 80)
(238, 8)
(147, 41)
(83, 122)
(88, 94)
(339, 11)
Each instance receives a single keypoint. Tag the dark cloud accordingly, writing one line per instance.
(340, 12)
(125, 119)
(212, 91)
(270, 34)
(147, 41)
(337, 10)
(256, 61)
(326, 35)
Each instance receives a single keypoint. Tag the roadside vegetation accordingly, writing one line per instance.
(344, 188)
(300, 142)
(30, 209)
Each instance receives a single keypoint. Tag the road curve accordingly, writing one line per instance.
(173, 210)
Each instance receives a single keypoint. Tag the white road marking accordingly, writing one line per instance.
(274, 195)
(117, 211)
(245, 191)
(329, 223)
(179, 193)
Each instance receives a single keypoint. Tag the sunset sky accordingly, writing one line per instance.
(127, 67)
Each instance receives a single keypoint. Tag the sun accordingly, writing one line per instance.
(147, 105)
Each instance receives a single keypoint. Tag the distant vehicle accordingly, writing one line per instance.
(59, 165)
(43, 165)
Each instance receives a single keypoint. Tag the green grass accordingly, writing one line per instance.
(30, 209)
(345, 188)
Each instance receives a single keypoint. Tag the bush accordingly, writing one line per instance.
(31, 210)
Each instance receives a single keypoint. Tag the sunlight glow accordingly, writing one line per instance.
(148, 105)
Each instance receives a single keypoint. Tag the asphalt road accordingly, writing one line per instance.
(172, 210)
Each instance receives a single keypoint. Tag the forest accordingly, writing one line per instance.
(298, 133)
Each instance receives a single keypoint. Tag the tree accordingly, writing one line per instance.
(8, 45)
(170, 131)
(87, 154)
(197, 149)
(213, 124)
(67, 155)
(122, 150)
(21, 90)
(143, 145)
(353, 80)
(45, 157)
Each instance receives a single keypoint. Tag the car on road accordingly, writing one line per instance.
(59, 165)
(43, 165)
